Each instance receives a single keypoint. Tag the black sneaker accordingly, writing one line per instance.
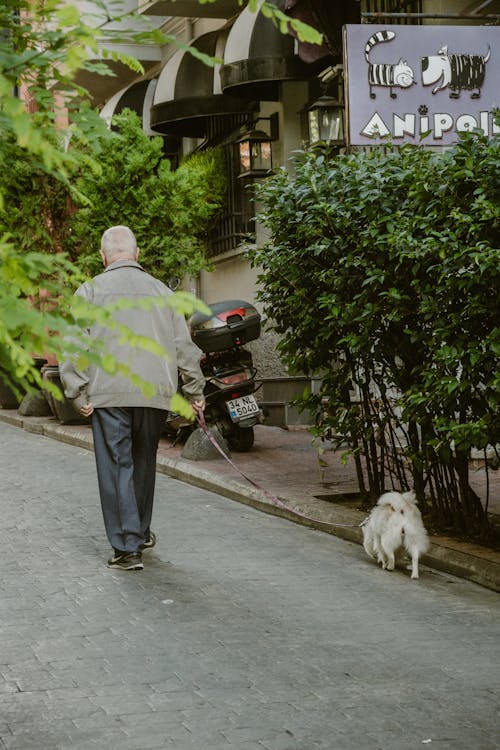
(126, 561)
(150, 543)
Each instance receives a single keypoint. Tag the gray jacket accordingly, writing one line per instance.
(127, 279)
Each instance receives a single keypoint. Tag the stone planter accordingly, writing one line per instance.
(63, 410)
(8, 399)
(34, 403)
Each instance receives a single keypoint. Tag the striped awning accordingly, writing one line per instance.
(188, 95)
(258, 57)
(138, 97)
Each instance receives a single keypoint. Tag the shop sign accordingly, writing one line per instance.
(420, 83)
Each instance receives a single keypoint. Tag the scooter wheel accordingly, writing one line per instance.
(241, 439)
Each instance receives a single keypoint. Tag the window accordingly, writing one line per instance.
(235, 222)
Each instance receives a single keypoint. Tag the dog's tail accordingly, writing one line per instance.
(368, 541)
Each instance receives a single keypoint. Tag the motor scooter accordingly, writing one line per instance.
(229, 372)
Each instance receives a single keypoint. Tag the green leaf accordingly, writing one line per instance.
(204, 58)
(128, 60)
(179, 405)
(67, 15)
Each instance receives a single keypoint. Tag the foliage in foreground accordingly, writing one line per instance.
(42, 47)
(382, 275)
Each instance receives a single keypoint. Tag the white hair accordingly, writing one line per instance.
(119, 240)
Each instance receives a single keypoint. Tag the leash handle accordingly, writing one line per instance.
(200, 418)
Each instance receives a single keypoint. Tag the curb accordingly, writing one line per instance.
(460, 559)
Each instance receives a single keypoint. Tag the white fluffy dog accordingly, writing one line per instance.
(394, 523)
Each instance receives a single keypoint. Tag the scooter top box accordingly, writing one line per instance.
(231, 323)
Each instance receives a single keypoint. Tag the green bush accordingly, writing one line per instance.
(382, 275)
(37, 205)
(168, 211)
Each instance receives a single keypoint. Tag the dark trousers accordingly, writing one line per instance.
(125, 445)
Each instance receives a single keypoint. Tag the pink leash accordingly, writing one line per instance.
(200, 418)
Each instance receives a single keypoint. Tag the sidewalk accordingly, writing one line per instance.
(286, 463)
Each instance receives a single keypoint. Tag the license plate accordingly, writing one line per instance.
(242, 407)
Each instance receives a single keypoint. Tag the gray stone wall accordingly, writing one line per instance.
(266, 357)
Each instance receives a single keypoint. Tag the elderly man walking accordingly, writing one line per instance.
(127, 425)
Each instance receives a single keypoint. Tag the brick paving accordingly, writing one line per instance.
(244, 631)
(288, 464)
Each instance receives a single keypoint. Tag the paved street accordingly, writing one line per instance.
(244, 631)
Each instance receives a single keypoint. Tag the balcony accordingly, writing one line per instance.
(100, 86)
(117, 21)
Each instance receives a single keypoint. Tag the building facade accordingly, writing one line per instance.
(269, 95)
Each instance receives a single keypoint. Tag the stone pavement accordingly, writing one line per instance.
(286, 463)
(243, 632)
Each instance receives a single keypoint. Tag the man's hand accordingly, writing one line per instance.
(87, 410)
(198, 405)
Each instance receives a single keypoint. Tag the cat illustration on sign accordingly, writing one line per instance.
(387, 74)
(458, 72)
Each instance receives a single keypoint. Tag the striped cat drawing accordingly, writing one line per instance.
(458, 72)
(387, 74)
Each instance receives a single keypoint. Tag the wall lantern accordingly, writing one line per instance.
(255, 149)
(324, 121)
(255, 153)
